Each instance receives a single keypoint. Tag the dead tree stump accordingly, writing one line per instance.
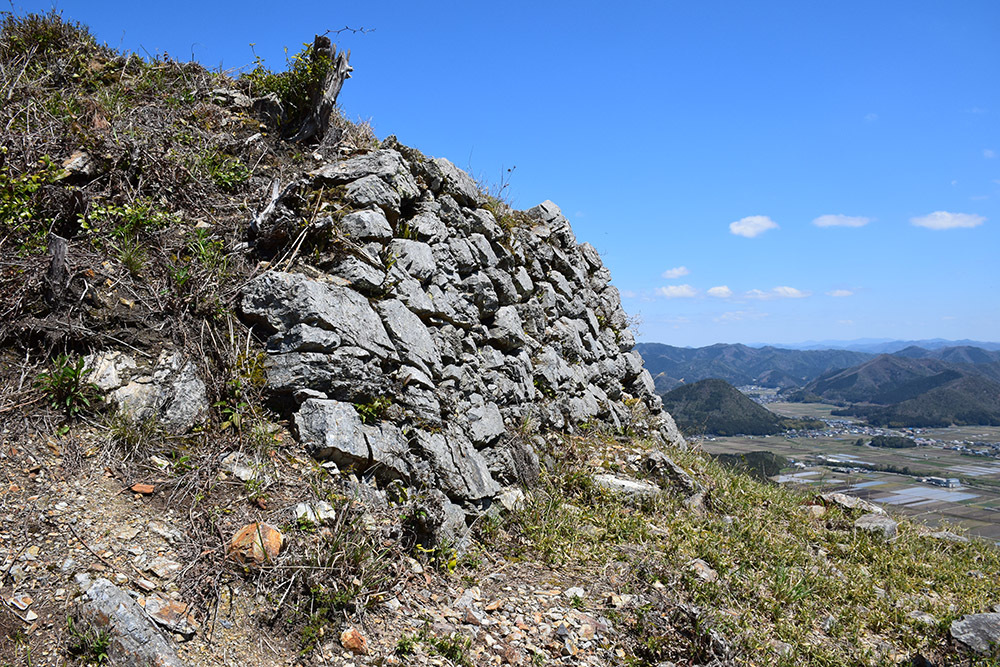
(323, 96)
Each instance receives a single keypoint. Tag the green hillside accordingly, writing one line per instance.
(714, 406)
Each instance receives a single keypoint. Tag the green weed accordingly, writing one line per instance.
(229, 173)
(65, 386)
(88, 645)
(454, 647)
(372, 411)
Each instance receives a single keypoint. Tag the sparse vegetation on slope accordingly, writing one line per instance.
(790, 587)
(127, 187)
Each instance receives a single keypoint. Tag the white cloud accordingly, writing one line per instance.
(871, 117)
(840, 293)
(676, 272)
(846, 323)
(946, 220)
(989, 154)
(782, 292)
(677, 291)
(841, 221)
(739, 315)
(628, 294)
(751, 226)
(789, 293)
(721, 292)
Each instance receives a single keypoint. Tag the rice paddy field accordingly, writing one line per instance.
(831, 461)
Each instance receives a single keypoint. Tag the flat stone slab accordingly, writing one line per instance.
(628, 487)
(978, 632)
(135, 641)
(845, 501)
(878, 524)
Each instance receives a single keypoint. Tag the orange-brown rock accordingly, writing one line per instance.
(354, 641)
(256, 543)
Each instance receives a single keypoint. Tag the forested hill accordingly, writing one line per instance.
(715, 407)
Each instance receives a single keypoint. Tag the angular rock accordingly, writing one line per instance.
(627, 487)
(354, 641)
(135, 642)
(316, 513)
(282, 300)
(333, 431)
(171, 614)
(877, 524)
(256, 543)
(507, 330)
(703, 570)
(366, 225)
(385, 165)
(978, 632)
(305, 338)
(458, 469)
(485, 424)
(413, 257)
(845, 501)
(373, 191)
(945, 536)
(449, 179)
(411, 337)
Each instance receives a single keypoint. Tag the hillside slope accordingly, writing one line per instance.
(272, 397)
(906, 391)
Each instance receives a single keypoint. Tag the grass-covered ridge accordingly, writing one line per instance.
(793, 587)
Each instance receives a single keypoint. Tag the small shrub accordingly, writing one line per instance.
(227, 172)
(19, 219)
(293, 86)
(454, 647)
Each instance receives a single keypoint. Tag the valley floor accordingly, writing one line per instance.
(831, 461)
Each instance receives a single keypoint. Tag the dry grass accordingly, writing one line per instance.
(791, 590)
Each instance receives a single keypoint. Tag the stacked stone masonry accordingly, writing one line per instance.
(461, 330)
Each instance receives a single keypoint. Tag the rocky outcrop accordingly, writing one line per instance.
(424, 331)
(167, 389)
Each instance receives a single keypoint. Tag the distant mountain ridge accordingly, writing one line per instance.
(915, 386)
(740, 364)
(783, 368)
(881, 345)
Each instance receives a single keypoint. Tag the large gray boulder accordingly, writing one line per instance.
(455, 466)
(366, 225)
(282, 300)
(411, 336)
(168, 389)
(979, 633)
(333, 431)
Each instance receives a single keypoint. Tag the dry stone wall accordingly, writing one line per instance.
(425, 338)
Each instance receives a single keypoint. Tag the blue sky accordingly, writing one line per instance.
(658, 125)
